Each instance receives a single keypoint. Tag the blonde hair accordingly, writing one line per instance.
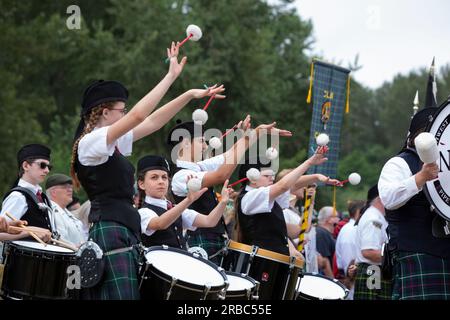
(91, 121)
(282, 174)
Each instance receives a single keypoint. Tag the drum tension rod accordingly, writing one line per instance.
(172, 284)
(256, 296)
(250, 259)
(206, 291)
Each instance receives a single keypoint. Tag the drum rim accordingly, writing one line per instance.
(425, 187)
(264, 253)
(236, 293)
(181, 283)
(318, 275)
(17, 247)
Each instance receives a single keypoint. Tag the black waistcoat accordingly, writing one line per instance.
(172, 236)
(110, 187)
(204, 205)
(35, 216)
(265, 230)
(410, 225)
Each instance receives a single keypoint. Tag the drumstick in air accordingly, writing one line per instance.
(23, 227)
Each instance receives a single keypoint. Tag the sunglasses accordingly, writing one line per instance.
(44, 165)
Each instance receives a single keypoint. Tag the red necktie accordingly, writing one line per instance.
(169, 205)
(39, 196)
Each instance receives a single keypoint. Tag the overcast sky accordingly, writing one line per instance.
(390, 36)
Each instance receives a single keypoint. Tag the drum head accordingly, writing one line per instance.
(40, 246)
(185, 267)
(438, 191)
(239, 282)
(320, 287)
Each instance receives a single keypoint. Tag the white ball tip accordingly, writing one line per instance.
(354, 178)
(322, 139)
(253, 174)
(200, 116)
(271, 153)
(195, 31)
(215, 143)
(194, 185)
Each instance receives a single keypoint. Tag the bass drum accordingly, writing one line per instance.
(175, 274)
(317, 287)
(438, 191)
(276, 273)
(34, 271)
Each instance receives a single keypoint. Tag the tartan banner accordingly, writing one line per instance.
(329, 88)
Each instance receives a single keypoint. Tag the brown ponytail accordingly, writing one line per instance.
(91, 121)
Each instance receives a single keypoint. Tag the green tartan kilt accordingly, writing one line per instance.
(363, 290)
(120, 281)
(212, 243)
(419, 276)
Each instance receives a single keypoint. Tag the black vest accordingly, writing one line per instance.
(204, 205)
(265, 230)
(172, 236)
(34, 215)
(410, 225)
(110, 187)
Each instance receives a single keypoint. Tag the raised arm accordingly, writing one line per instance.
(288, 181)
(160, 117)
(235, 154)
(170, 216)
(209, 221)
(146, 105)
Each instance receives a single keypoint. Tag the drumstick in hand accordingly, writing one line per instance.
(24, 227)
(65, 244)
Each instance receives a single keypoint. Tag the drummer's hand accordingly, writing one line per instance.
(43, 234)
(351, 271)
(226, 192)
(3, 225)
(429, 172)
(193, 196)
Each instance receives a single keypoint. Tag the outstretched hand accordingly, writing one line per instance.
(175, 67)
(272, 130)
(211, 91)
(226, 192)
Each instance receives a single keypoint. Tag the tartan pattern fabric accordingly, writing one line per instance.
(210, 242)
(333, 79)
(419, 276)
(362, 291)
(120, 281)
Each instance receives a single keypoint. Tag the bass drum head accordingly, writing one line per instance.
(318, 287)
(438, 191)
(41, 247)
(185, 267)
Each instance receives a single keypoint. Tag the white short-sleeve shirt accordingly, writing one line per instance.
(93, 149)
(188, 216)
(370, 233)
(196, 169)
(257, 200)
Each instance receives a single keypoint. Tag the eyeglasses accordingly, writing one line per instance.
(44, 165)
(123, 111)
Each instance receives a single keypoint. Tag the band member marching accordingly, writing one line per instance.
(260, 204)
(25, 200)
(421, 260)
(188, 138)
(162, 223)
(103, 140)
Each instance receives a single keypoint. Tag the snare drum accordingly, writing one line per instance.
(35, 271)
(175, 274)
(314, 286)
(242, 287)
(276, 273)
